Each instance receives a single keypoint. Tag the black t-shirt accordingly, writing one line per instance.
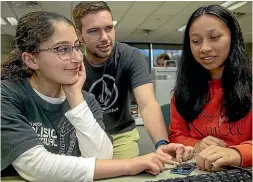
(28, 120)
(113, 82)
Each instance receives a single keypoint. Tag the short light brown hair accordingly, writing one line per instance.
(84, 8)
(164, 56)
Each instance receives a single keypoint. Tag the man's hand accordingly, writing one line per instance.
(181, 152)
(208, 141)
(214, 157)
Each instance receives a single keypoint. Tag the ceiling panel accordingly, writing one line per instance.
(181, 18)
(117, 16)
(4, 4)
(65, 7)
(121, 34)
(6, 11)
(248, 37)
(246, 8)
(174, 37)
(172, 8)
(2, 31)
(154, 21)
(144, 6)
(130, 20)
(119, 5)
(118, 8)
(162, 17)
(23, 7)
(21, 11)
(73, 4)
(9, 29)
(137, 34)
(246, 23)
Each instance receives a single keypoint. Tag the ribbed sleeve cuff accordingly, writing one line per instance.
(246, 154)
(75, 111)
(90, 163)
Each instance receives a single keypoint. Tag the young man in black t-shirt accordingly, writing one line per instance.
(113, 70)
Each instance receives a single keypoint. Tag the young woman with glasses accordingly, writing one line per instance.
(51, 130)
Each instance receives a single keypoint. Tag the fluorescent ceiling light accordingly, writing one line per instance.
(3, 22)
(182, 28)
(114, 23)
(237, 5)
(12, 20)
(230, 5)
(227, 3)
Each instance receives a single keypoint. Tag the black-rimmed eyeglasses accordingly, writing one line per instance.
(64, 51)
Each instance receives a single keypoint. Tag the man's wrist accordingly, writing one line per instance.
(161, 142)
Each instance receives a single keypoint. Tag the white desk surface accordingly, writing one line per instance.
(148, 177)
(137, 178)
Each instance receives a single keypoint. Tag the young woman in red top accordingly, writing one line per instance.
(212, 105)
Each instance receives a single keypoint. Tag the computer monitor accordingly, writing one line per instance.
(164, 79)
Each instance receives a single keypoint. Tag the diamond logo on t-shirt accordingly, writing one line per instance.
(105, 91)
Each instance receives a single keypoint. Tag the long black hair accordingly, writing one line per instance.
(33, 29)
(191, 92)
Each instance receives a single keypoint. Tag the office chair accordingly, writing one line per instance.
(166, 113)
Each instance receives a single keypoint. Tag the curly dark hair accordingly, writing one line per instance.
(84, 8)
(192, 89)
(33, 29)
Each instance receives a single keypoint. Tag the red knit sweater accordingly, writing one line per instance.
(209, 122)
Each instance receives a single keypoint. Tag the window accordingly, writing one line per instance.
(144, 49)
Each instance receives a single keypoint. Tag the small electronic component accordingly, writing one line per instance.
(184, 168)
